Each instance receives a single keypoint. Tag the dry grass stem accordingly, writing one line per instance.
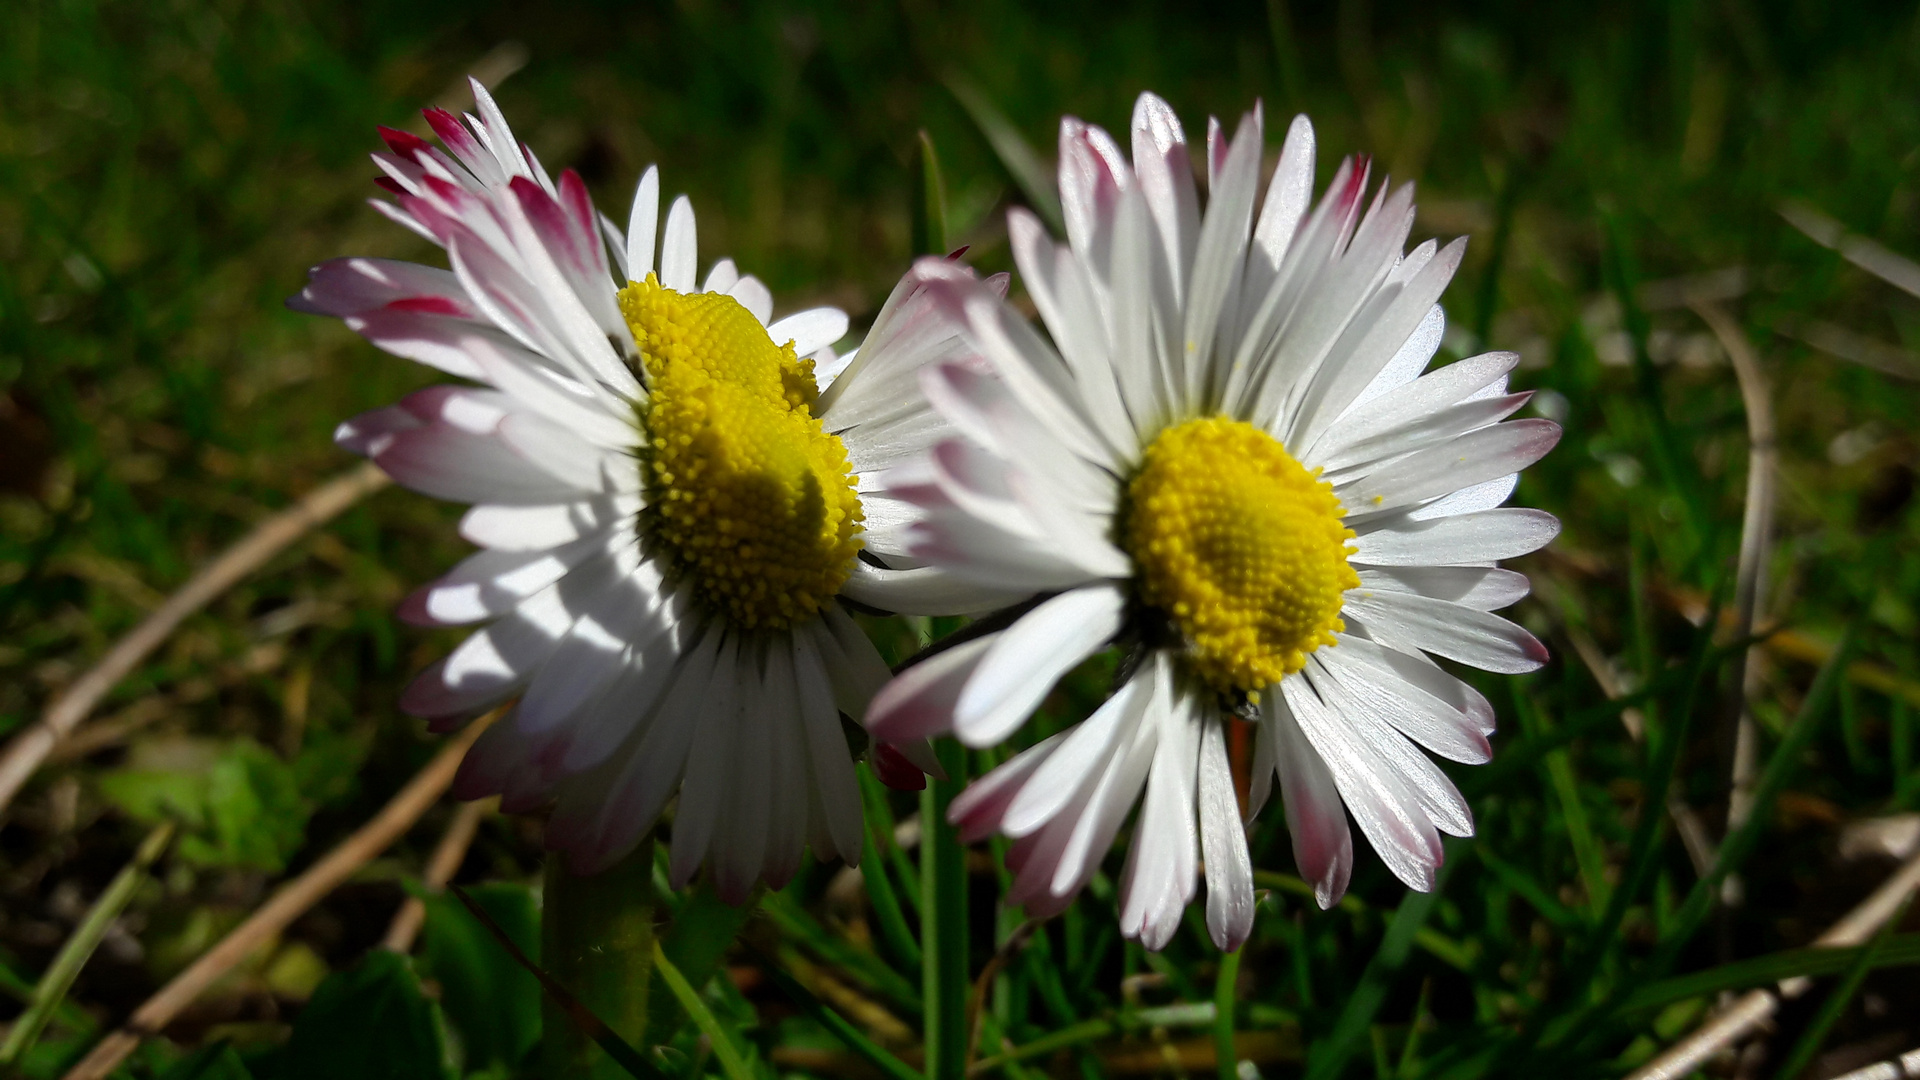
(288, 903)
(1750, 576)
(29, 748)
(1904, 1067)
(976, 1000)
(441, 866)
(1891, 267)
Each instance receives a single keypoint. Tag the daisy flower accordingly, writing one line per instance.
(668, 489)
(1228, 461)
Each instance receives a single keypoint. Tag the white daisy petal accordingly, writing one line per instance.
(1093, 175)
(1160, 874)
(811, 330)
(1087, 747)
(1442, 628)
(642, 221)
(1374, 683)
(1316, 818)
(831, 765)
(1389, 815)
(1473, 458)
(1165, 178)
(1391, 753)
(923, 590)
(1469, 500)
(536, 528)
(1477, 587)
(709, 762)
(1024, 662)
(1223, 844)
(725, 275)
(1412, 401)
(978, 810)
(679, 254)
(1219, 258)
(754, 296)
(919, 702)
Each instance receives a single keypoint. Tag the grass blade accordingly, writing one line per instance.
(1901, 950)
(894, 932)
(1328, 1058)
(1741, 842)
(943, 921)
(1836, 1003)
(875, 1054)
(930, 233)
(695, 942)
(729, 1054)
(53, 986)
(860, 965)
(1022, 163)
(1587, 853)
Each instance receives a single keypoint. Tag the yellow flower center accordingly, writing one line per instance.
(1240, 547)
(751, 499)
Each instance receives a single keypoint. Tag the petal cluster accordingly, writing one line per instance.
(632, 687)
(1307, 321)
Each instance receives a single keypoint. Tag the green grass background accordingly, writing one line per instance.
(168, 170)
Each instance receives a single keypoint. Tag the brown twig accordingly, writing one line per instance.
(288, 903)
(28, 749)
(1755, 1007)
(441, 866)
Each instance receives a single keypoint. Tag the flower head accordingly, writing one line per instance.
(1228, 460)
(672, 493)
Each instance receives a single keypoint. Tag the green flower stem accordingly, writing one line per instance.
(1223, 997)
(943, 921)
(596, 939)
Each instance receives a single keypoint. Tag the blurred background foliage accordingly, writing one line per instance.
(169, 169)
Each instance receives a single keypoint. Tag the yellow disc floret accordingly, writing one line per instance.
(1240, 547)
(751, 499)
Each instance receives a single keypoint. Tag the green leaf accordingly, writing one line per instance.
(695, 943)
(216, 1062)
(370, 1022)
(491, 1001)
(238, 804)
